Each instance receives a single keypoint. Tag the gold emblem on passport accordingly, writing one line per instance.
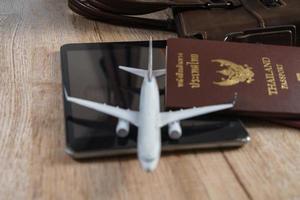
(234, 73)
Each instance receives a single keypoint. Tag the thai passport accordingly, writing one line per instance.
(266, 78)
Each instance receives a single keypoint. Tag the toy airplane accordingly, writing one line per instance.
(149, 120)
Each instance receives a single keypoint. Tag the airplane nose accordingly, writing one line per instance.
(149, 164)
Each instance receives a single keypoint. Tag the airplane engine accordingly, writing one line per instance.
(175, 130)
(122, 128)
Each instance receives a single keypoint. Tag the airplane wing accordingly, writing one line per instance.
(127, 115)
(173, 116)
(159, 72)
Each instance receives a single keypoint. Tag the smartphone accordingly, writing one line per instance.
(90, 71)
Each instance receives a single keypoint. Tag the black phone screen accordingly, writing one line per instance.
(90, 71)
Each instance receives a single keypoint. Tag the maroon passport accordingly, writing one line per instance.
(265, 77)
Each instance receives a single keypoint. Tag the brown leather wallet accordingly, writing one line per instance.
(254, 21)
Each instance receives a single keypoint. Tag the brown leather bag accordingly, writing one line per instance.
(263, 21)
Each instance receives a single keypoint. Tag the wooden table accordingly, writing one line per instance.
(33, 163)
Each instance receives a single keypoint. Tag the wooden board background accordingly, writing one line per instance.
(33, 163)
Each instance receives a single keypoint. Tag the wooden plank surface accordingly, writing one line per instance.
(33, 163)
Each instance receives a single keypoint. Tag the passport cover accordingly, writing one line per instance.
(265, 77)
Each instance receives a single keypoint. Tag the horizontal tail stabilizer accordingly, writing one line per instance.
(159, 72)
(143, 73)
(135, 71)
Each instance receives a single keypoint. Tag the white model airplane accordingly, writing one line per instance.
(149, 120)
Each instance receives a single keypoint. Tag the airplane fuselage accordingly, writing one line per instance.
(149, 138)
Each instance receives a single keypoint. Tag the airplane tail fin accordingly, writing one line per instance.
(146, 73)
(150, 59)
(151, 72)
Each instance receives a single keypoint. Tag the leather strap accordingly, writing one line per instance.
(129, 7)
(84, 8)
(118, 12)
(259, 18)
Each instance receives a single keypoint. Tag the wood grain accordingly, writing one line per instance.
(34, 165)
